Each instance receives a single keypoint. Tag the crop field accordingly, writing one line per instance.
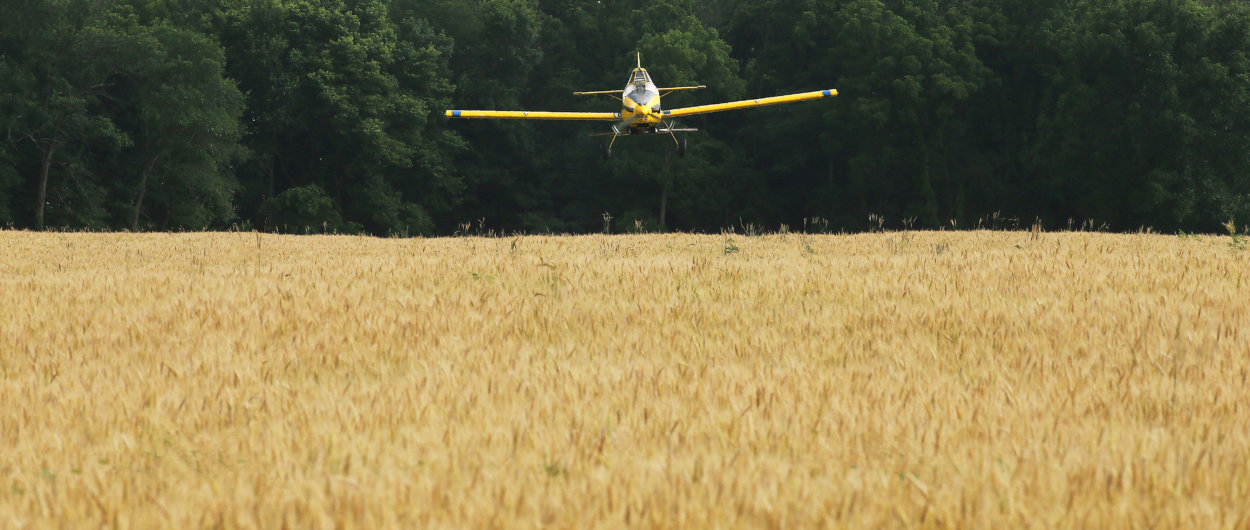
(929, 379)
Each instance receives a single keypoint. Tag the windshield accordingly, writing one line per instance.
(641, 95)
(640, 88)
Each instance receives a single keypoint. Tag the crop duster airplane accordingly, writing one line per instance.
(641, 112)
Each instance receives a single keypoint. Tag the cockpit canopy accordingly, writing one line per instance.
(640, 76)
(640, 88)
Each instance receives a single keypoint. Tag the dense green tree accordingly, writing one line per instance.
(9, 179)
(327, 115)
(495, 64)
(183, 118)
(342, 97)
(54, 56)
(890, 144)
(1146, 123)
(304, 210)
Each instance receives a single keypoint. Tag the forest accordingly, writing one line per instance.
(313, 116)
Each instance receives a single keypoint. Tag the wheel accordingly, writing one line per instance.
(605, 151)
(681, 147)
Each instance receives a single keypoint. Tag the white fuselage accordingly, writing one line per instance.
(641, 98)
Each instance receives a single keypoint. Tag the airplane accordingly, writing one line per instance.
(641, 112)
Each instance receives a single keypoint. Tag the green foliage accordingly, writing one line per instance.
(343, 97)
(56, 61)
(1147, 123)
(172, 114)
(304, 210)
(183, 116)
(9, 179)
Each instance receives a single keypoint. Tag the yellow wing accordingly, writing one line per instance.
(749, 103)
(534, 115)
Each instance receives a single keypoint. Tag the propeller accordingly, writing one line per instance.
(623, 127)
(642, 110)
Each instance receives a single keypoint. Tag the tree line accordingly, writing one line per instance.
(327, 115)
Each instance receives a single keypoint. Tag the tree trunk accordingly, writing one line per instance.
(143, 190)
(668, 163)
(42, 196)
(663, 206)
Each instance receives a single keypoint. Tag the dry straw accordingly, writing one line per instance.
(976, 379)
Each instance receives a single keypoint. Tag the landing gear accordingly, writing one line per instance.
(681, 147)
(605, 151)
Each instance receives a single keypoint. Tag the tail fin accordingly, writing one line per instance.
(639, 59)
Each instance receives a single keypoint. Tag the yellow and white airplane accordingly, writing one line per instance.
(641, 112)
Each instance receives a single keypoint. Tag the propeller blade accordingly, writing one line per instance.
(622, 127)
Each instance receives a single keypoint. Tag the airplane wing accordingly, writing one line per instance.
(534, 115)
(749, 103)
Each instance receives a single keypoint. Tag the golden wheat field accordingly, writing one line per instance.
(927, 379)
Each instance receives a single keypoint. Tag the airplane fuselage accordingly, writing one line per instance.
(641, 100)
